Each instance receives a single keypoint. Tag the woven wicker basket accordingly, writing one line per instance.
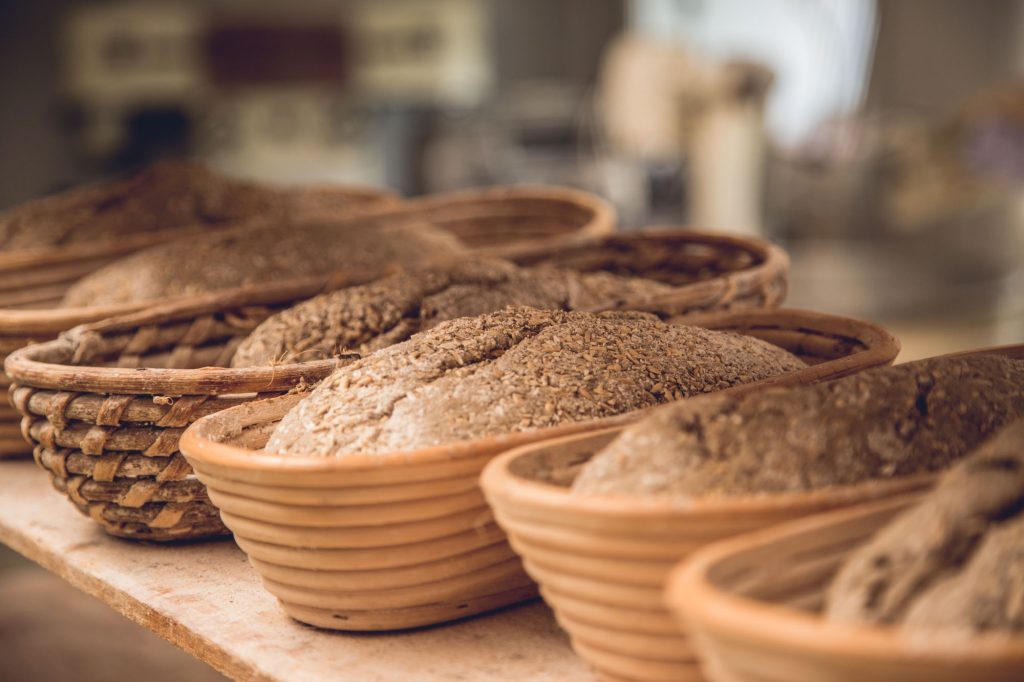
(177, 336)
(33, 281)
(750, 604)
(601, 560)
(402, 539)
(105, 405)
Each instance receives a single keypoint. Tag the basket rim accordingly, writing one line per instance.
(200, 447)
(24, 370)
(498, 481)
(783, 628)
(772, 260)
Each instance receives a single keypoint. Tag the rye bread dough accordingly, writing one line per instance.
(516, 370)
(165, 195)
(365, 318)
(239, 256)
(888, 422)
(955, 562)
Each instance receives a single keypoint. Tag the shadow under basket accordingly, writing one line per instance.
(602, 560)
(405, 539)
(753, 604)
(173, 339)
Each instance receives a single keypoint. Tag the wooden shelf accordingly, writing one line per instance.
(206, 599)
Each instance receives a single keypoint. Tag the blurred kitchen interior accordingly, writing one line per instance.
(882, 143)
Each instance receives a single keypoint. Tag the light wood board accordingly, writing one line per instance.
(206, 599)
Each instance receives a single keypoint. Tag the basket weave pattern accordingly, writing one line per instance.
(115, 454)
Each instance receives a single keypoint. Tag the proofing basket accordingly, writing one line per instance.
(405, 539)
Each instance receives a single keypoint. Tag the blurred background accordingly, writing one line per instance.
(880, 141)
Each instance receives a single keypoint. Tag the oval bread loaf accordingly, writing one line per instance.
(893, 421)
(365, 318)
(516, 370)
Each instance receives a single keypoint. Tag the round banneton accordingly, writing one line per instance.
(601, 560)
(742, 636)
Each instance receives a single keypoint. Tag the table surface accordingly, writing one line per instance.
(205, 598)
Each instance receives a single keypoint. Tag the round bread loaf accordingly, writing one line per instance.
(516, 370)
(163, 196)
(887, 422)
(365, 318)
(955, 562)
(239, 256)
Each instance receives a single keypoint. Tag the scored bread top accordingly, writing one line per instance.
(365, 318)
(516, 370)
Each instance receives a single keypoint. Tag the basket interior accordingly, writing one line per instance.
(797, 569)
(500, 222)
(676, 259)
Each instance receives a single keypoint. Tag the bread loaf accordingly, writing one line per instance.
(364, 318)
(235, 257)
(163, 196)
(516, 370)
(894, 421)
(955, 562)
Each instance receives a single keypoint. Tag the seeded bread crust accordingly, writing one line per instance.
(956, 560)
(235, 257)
(887, 422)
(516, 370)
(165, 195)
(366, 318)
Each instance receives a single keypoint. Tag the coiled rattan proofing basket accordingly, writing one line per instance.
(33, 281)
(202, 332)
(752, 607)
(404, 539)
(601, 560)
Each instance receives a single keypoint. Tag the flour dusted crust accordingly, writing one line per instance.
(165, 195)
(365, 318)
(887, 422)
(516, 370)
(235, 257)
(953, 563)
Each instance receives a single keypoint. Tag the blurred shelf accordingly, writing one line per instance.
(206, 599)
